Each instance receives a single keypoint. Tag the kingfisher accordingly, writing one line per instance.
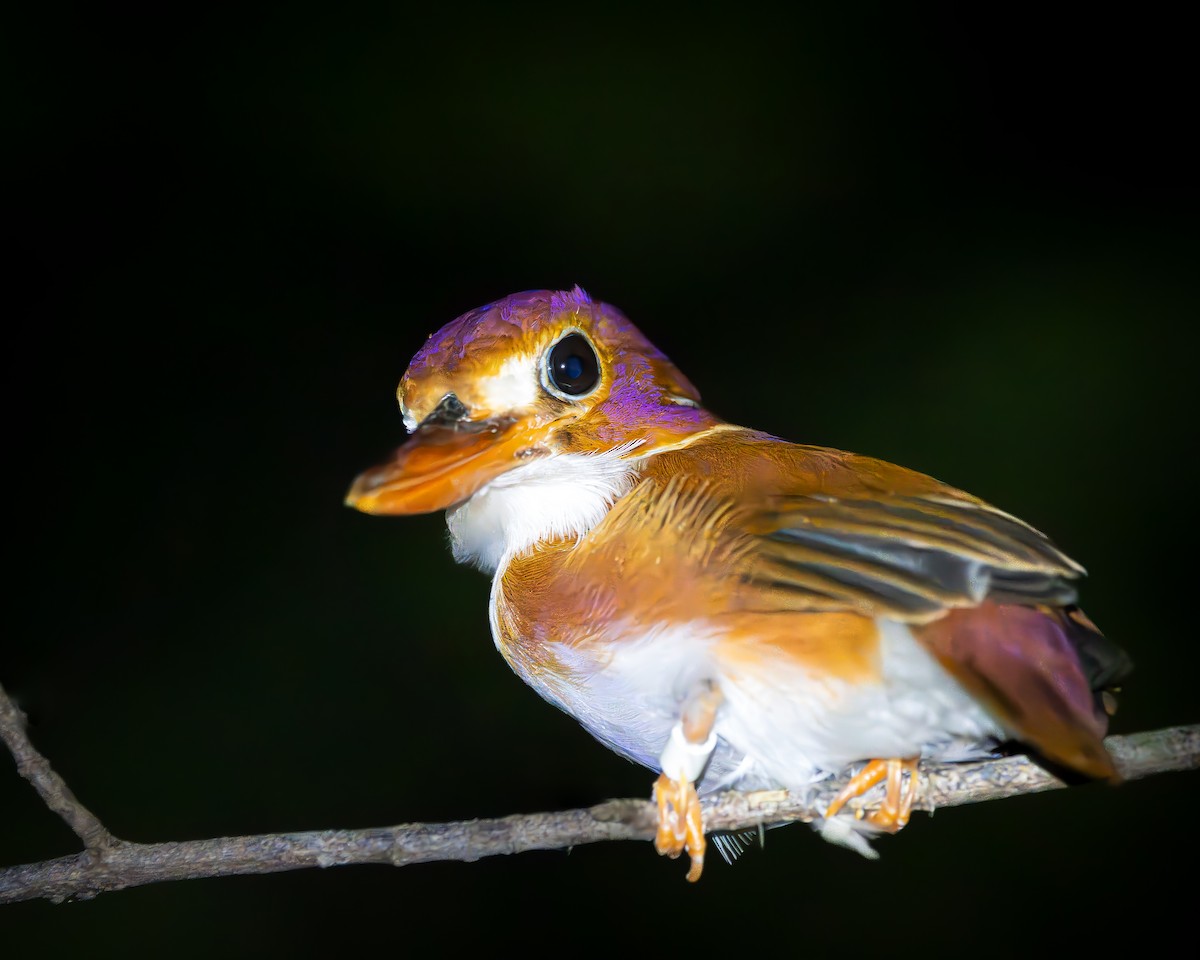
(724, 607)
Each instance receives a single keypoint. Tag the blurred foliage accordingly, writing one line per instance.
(966, 245)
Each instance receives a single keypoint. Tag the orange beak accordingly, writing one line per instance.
(443, 465)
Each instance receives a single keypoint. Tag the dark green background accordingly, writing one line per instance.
(967, 246)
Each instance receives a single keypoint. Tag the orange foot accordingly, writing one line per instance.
(689, 746)
(898, 798)
(680, 823)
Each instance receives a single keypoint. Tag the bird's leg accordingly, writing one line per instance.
(692, 741)
(898, 798)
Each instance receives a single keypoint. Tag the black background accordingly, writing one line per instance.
(966, 246)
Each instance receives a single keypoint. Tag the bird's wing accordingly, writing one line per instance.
(813, 529)
(907, 556)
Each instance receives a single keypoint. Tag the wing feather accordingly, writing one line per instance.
(909, 557)
(813, 529)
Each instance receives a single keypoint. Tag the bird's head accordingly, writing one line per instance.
(534, 375)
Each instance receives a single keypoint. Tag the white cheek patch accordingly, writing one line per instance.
(513, 387)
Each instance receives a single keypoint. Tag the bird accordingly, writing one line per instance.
(724, 607)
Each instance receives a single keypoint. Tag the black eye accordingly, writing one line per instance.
(572, 366)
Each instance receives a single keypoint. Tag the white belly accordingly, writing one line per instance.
(795, 728)
(778, 726)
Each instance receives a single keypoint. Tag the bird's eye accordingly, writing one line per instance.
(572, 366)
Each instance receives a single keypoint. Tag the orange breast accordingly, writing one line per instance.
(673, 551)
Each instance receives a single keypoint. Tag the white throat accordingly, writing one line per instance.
(548, 498)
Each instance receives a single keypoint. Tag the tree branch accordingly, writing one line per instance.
(112, 864)
(50, 786)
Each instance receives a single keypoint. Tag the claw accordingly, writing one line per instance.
(691, 743)
(680, 823)
(898, 798)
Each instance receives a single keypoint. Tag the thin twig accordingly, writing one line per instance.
(50, 786)
(121, 864)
